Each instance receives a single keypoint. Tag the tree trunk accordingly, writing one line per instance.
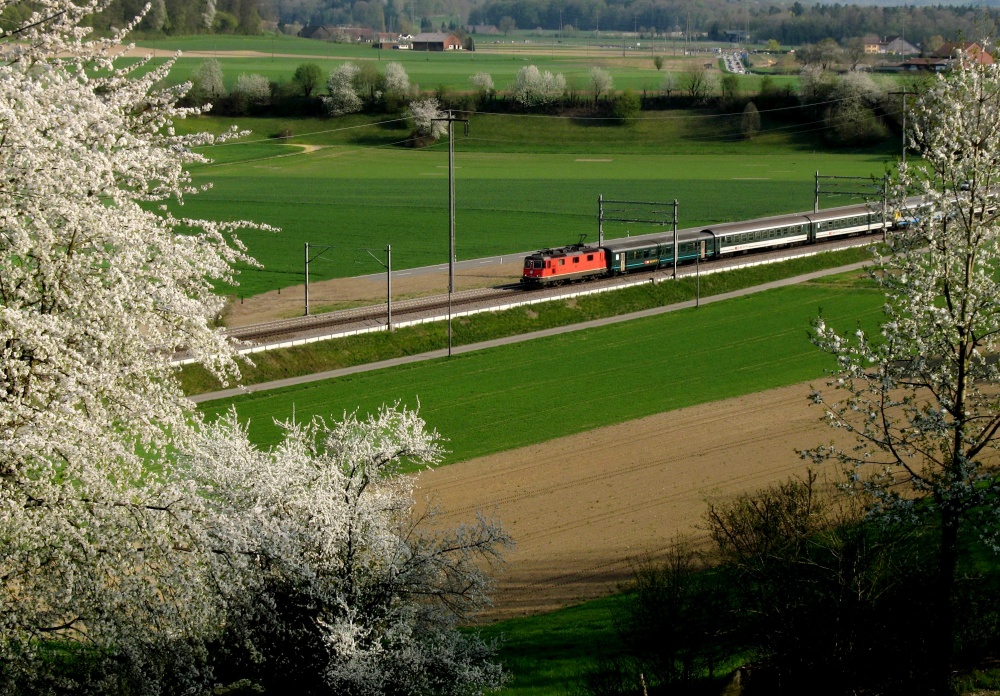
(943, 640)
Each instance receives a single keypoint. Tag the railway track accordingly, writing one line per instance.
(370, 315)
(436, 306)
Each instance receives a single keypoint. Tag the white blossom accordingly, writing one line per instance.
(424, 113)
(96, 292)
(397, 82)
(255, 88)
(324, 519)
(208, 16)
(207, 81)
(535, 88)
(483, 82)
(601, 82)
(343, 98)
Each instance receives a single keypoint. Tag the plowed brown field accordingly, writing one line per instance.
(584, 508)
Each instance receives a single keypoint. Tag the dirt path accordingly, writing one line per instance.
(583, 508)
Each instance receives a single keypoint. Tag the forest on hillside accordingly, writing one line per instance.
(790, 23)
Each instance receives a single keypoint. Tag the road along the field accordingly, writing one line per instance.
(583, 509)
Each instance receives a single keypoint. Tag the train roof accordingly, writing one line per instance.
(838, 213)
(646, 241)
(566, 250)
(768, 223)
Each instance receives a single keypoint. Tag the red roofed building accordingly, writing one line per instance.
(436, 42)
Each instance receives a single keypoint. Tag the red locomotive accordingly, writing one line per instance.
(569, 263)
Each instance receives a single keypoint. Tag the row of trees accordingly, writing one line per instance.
(145, 550)
(853, 107)
(351, 88)
(790, 24)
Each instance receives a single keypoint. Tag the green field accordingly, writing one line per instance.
(513, 396)
(522, 183)
(276, 57)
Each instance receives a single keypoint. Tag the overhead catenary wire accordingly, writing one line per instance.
(236, 142)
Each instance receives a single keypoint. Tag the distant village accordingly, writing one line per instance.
(941, 58)
(425, 41)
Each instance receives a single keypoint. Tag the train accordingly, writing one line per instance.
(619, 256)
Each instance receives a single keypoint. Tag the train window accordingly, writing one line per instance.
(562, 262)
(576, 259)
(590, 257)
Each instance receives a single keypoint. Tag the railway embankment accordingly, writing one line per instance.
(329, 359)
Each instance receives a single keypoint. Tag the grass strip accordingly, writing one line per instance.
(525, 393)
(547, 654)
(369, 348)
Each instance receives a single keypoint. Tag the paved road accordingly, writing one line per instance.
(457, 350)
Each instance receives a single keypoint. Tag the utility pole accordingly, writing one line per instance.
(600, 219)
(903, 107)
(323, 250)
(451, 210)
(676, 248)
(388, 281)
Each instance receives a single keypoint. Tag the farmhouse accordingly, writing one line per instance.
(970, 53)
(889, 45)
(436, 42)
(944, 57)
(390, 40)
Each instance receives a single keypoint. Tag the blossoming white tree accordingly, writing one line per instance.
(207, 81)
(397, 82)
(922, 398)
(483, 82)
(342, 589)
(343, 98)
(127, 553)
(426, 115)
(532, 87)
(96, 291)
(601, 82)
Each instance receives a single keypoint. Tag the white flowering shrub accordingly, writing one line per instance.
(483, 82)
(397, 82)
(255, 88)
(535, 88)
(207, 81)
(343, 97)
(342, 590)
(601, 82)
(208, 16)
(142, 552)
(423, 113)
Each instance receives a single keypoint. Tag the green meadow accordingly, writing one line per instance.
(276, 57)
(508, 397)
(521, 183)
